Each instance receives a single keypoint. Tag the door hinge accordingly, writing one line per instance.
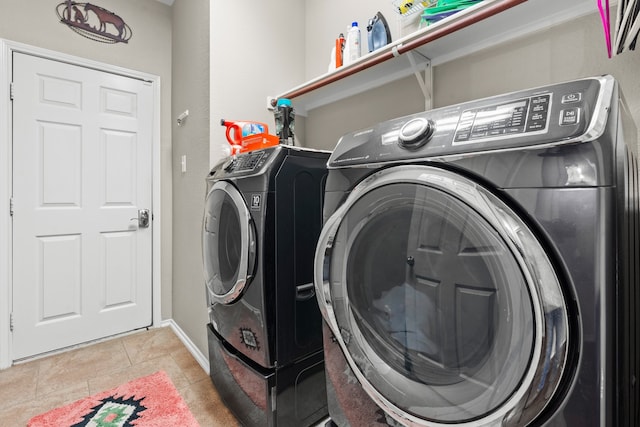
(11, 322)
(274, 399)
(11, 85)
(11, 206)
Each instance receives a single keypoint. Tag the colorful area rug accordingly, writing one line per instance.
(150, 401)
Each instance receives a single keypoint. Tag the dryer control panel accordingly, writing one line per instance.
(556, 114)
(244, 164)
(525, 115)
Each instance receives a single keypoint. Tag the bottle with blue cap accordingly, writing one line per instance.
(285, 118)
(352, 48)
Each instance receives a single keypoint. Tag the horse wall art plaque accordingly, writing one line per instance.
(94, 22)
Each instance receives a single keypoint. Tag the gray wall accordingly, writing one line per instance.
(572, 50)
(190, 91)
(325, 125)
(35, 22)
(255, 53)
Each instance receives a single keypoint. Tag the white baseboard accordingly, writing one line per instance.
(195, 351)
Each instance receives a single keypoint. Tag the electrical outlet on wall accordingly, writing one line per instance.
(271, 100)
(183, 163)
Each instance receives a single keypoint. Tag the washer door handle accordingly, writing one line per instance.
(305, 291)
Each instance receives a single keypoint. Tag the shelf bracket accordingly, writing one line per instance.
(425, 82)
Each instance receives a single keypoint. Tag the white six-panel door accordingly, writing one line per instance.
(82, 169)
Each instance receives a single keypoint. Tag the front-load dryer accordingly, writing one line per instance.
(478, 265)
(262, 219)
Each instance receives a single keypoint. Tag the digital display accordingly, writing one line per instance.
(523, 116)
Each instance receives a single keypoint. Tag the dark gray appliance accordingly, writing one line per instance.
(479, 263)
(263, 215)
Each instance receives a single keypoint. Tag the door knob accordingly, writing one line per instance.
(143, 218)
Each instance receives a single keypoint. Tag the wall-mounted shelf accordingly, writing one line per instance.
(485, 24)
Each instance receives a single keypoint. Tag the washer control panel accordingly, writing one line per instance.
(554, 114)
(526, 115)
(250, 163)
(245, 162)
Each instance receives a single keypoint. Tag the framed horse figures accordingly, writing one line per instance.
(94, 22)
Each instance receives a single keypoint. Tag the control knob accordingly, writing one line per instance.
(229, 164)
(416, 132)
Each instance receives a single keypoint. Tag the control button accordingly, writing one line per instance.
(534, 126)
(480, 128)
(468, 116)
(571, 97)
(539, 108)
(228, 166)
(537, 117)
(475, 135)
(462, 136)
(464, 126)
(570, 116)
(498, 124)
(416, 132)
(540, 100)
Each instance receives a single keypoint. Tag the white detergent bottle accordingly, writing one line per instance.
(352, 49)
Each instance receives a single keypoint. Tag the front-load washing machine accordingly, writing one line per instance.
(263, 215)
(479, 263)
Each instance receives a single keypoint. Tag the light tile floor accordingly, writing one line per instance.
(31, 388)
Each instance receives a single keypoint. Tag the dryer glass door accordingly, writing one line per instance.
(229, 244)
(444, 303)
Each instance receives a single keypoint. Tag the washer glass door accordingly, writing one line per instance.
(443, 301)
(229, 244)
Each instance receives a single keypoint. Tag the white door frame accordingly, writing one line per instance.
(6, 176)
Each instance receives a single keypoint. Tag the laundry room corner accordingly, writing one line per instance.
(190, 163)
(254, 56)
(210, 49)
